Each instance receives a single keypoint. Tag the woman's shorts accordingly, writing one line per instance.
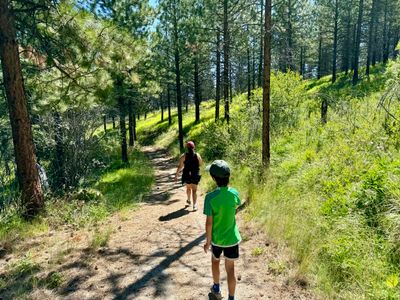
(191, 179)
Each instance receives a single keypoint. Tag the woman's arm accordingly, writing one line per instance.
(200, 159)
(180, 166)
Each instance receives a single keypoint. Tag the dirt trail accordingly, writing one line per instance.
(155, 252)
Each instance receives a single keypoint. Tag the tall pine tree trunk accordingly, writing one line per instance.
(25, 158)
(169, 105)
(375, 41)
(130, 124)
(266, 152)
(230, 84)
(248, 69)
(60, 180)
(253, 84)
(261, 56)
(335, 41)
(358, 41)
(354, 39)
(324, 110)
(218, 77)
(385, 33)
(134, 128)
(319, 69)
(162, 107)
(122, 125)
(226, 61)
(371, 36)
(346, 50)
(197, 99)
(178, 75)
(290, 63)
(301, 61)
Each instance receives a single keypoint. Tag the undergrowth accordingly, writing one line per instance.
(113, 187)
(331, 193)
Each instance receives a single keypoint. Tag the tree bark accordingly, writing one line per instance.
(178, 76)
(25, 158)
(248, 70)
(162, 107)
(169, 105)
(130, 124)
(371, 36)
(385, 34)
(260, 63)
(346, 51)
(60, 180)
(218, 77)
(105, 123)
(122, 125)
(335, 41)
(358, 41)
(266, 152)
(354, 41)
(197, 99)
(290, 63)
(324, 110)
(319, 69)
(226, 61)
(375, 43)
(302, 61)
(254, 67)
(113, 120)
(230, 84)
(134, 128)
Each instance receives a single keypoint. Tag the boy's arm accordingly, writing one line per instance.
(209, 223)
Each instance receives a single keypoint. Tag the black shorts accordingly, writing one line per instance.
(229, 252)
(191, 179)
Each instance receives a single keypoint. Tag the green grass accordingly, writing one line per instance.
(24, 276)
(100, 238)
(331, 193)
(112, 188)
(20, 278)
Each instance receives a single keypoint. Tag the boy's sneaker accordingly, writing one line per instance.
(194, 207)
(217, 293)
(188, 202)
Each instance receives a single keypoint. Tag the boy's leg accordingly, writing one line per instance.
(230, 271)
(215, 269)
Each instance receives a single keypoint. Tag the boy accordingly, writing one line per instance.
(221, 229)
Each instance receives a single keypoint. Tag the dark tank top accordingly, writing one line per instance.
(191, 164)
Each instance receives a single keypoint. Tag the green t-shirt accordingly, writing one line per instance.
(221, 204)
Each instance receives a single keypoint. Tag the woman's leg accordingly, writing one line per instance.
(194, 193)
(188, 192)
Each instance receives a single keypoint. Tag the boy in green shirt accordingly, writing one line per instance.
(221, 229)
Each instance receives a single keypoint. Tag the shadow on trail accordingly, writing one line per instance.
(174, 215)
(156, 275)
(211, 296)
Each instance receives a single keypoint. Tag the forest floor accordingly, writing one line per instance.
(153, 252)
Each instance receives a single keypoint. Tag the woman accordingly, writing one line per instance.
(190, 162)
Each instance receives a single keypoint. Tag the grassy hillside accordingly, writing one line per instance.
(332, 192)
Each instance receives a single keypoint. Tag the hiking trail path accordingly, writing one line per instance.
(156, 252)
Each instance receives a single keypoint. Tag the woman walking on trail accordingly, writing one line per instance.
(190, 162)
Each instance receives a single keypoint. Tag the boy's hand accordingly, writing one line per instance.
(206, 247)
